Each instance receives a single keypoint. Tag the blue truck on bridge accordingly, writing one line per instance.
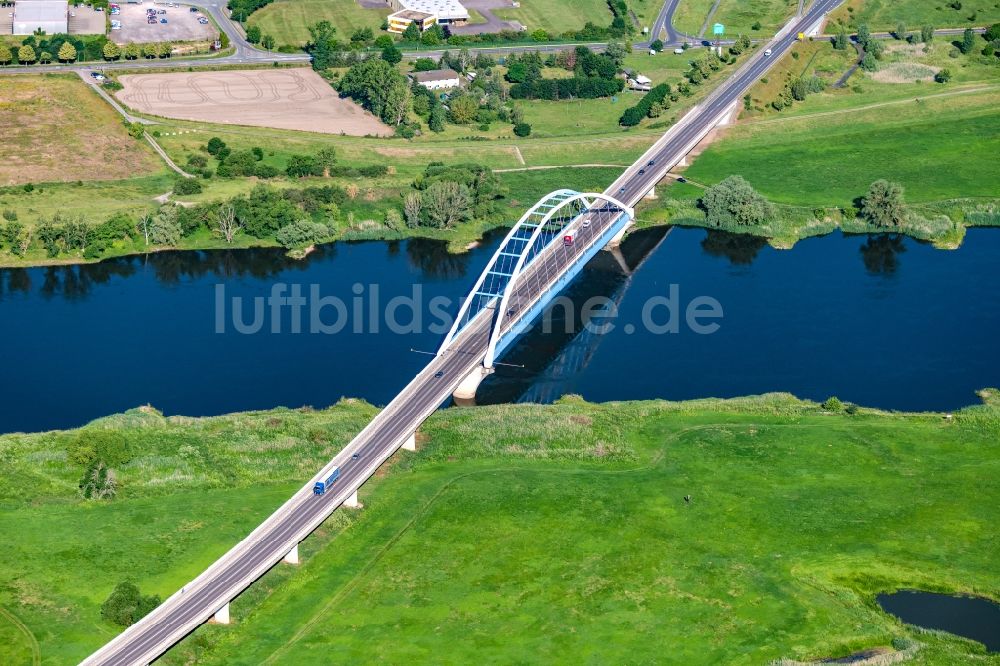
(322, 486)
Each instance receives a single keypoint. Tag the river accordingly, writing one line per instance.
(878, 320)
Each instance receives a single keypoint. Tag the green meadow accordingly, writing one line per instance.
(531, 533)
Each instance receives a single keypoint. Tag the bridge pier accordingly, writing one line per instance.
(651, 194)
(222, 615)
(292, 556)
(465, 394)
(352, 501)
(411, 443)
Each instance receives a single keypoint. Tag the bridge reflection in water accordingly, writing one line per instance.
(540, 365)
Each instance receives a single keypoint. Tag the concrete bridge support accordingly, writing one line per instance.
(411, 443)
(616, 240)
(465, 394)
(651, 194)
(222, 615)
(292, 556)
(352, 501)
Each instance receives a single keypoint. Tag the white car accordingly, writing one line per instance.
(679, 51)
(767, 53)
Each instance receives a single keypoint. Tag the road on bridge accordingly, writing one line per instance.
(264, 547)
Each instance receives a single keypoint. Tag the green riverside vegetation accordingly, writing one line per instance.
(530, 533)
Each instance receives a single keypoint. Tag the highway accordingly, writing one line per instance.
(303, 512)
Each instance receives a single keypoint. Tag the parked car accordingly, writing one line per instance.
(203, 20)
(163, 20)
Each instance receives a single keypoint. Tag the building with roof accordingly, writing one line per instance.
(444, 12)
(437, 79)
(49, 16)
(401, 20)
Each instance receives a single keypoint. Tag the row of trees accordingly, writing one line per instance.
(26, 54)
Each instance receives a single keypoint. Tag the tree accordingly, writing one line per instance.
(215, 144)
(132, 51)
(412, 207)
(326, 159)
(944, 76)
(322, 44)
(26, 55)
(864, 35)
(840, 41)
(656, 45)
(164, 49)
(868, 63)
(992, 33)
(144, 225)
(900, 31)
(301, 234)
(67, 52)
(436, 120)
(799, 89)
(111, 51)
(876, 48)
(93, 444)
(424, 65)
(253, 34)
(392, 55)
(927, 34)
(734, 202)
(446, 203)
(164, 230)
(522, 129)
(150, 50)
(126, 606)
(5, 55)
(45, 57)
(463, 109)
(412, 33)
(187, 186)
(267, 41)
(883, 205)
(968, 41)
(300, 166)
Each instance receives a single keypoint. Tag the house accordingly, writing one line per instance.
(437, 79)
(49, 16)
(445, 12)
(401, 20)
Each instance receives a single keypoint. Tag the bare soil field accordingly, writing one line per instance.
(296, 99)
(52, 128)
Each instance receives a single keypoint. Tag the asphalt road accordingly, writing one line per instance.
(235, 571)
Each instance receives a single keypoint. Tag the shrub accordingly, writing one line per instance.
(126, 605)
(522, 129)
(302, 233)
(833, 404)
(373, 171)
(187, 186)
(197, 161)
(215, 144)
(734, 202)
(91, 445)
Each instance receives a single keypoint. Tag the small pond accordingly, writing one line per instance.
(971, 617)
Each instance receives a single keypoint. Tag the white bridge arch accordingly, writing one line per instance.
(542, 225)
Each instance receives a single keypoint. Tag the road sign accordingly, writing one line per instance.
(718, 29)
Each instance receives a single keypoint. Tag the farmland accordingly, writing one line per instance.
(886, 14)
(56, 129)
(518, 520)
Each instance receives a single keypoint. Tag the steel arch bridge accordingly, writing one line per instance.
(542, 227)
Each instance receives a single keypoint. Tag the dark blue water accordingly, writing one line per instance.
(879, 321)
(978, 619)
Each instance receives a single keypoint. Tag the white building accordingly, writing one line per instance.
(50, 16)
(445, 11)
(437, 79)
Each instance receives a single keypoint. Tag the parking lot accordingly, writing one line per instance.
(182, 25)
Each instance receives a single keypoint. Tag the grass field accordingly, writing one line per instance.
(691, 15)
(530, 533)
(740, 15)
(886, 14)
(56, 129)
(558, 16)
(288, 21)
(937, 149)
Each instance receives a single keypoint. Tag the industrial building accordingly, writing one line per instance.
(49, 16)
(444, 12)
(400, 21)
